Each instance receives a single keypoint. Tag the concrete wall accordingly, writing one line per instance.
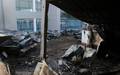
(1, 16)
(10, 14)
(54, 18)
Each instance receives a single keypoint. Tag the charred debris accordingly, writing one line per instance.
(88, 57)
(16, 43)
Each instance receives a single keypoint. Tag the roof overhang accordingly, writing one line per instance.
(91, 11)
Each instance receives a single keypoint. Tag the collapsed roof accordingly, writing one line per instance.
(91, 11)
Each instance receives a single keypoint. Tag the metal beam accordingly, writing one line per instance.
(44, 26)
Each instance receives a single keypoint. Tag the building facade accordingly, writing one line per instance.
(54, 20)
(70, 23)
(28, 15)
(25, 15)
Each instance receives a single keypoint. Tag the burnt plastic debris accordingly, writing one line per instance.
(74, 50)
(84, 61)
(16, 44)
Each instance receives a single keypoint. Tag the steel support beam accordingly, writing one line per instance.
(44, 26)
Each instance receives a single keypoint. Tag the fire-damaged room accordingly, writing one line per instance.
(59, 37)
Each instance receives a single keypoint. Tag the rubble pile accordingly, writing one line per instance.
(83, 61)
(78, 59)
(20, 50)
(16, 44)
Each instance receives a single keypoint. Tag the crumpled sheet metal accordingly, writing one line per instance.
(72, 49)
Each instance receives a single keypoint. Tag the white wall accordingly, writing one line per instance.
(54, 18)
(10, 14)
(27, 14)
(1, 16)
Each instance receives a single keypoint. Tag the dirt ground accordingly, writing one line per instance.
(57, 47)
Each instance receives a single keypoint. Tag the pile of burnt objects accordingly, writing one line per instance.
(16, 44)
(91, 57)
(80, 60)
(19, 50)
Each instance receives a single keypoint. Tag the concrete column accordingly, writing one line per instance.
(34, 6)
(44, 23)
(34, 10)
(34, 26)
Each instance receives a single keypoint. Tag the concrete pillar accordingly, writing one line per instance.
(44, 23)
(34, 10)
(34, 6)
(34, 26)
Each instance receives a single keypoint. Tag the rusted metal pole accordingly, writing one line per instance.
(44, 26)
